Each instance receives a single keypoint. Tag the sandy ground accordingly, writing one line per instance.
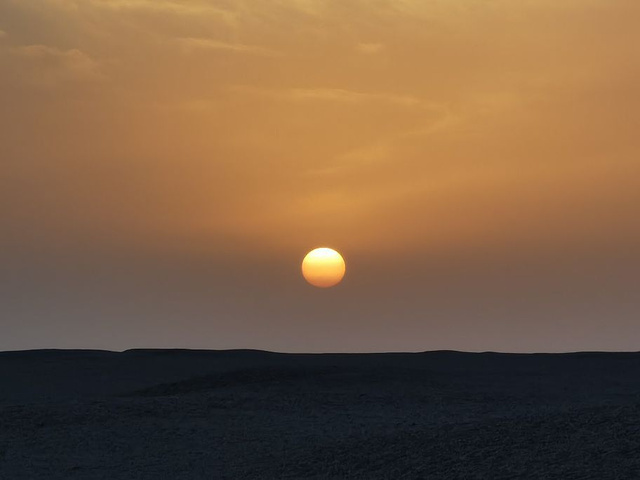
(255, 415)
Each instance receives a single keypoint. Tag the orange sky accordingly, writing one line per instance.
(165, 165)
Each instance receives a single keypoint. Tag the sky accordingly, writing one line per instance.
(166, 165)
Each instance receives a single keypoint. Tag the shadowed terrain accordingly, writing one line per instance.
(250, 414)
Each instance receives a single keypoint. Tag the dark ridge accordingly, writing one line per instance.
(561, 354)
(57, 352)
(250, 414)
(187, 351)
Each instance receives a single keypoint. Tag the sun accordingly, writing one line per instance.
(323, 267)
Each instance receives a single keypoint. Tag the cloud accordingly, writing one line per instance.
(350, 96)
(191, 8)
(337, 95)
(194, 7)
(331, 113)
(48, 66)
(191, 44)
(369, 48)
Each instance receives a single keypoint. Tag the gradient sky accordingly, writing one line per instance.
(165, 166)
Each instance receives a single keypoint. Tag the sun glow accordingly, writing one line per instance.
(323, 267)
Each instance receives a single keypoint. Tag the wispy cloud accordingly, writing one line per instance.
(195, 7)
(44, 65)
(333, 95)
(369, 48)
(352, 96)
(192, 8)
(193, 43)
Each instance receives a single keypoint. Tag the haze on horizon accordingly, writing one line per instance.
(165, 166)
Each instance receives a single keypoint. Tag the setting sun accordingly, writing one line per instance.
(323, 267)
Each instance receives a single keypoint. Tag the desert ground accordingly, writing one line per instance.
(184, 414)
